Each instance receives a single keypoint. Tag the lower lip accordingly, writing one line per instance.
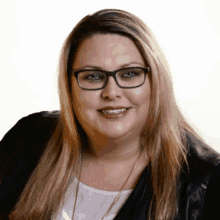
(114, 116)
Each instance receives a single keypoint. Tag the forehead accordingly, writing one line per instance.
(107, 49)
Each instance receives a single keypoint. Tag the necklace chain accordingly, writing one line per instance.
(116, 198)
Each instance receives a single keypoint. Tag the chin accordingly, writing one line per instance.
(114, 134)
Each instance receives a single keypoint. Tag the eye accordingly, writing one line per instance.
(92, 75)
(131, 73)
(128, 74)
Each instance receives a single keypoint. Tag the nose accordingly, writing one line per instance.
(111, 90)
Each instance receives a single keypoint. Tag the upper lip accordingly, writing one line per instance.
(112, 108)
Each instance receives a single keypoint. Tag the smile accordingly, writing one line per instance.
(116, 111)
(113, 114)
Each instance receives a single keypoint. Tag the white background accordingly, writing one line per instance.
(32, 33)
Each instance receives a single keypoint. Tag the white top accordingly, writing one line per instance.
(92, 204)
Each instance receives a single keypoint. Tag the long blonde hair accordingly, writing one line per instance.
(164, 134)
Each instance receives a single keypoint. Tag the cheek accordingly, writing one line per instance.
(84, 101)
(141, 95)
(82, 105)
(82, 108)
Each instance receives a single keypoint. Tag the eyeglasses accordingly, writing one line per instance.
(127, 78)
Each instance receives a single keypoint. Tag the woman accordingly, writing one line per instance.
(120, 147)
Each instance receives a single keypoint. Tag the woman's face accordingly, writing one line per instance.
(110, 52)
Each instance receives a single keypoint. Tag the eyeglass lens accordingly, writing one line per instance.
(95, 79)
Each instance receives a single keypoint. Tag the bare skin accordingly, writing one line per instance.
(114, 144)
(111, 177)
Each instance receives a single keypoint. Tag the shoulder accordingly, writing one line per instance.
(20, 151)
(203, 160)
(32, 122)
(34, 128)
(203, 191)
(200, 151)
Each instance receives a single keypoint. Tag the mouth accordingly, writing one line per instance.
(111, 114)
(113, 111)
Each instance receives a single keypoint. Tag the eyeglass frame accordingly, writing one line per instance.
(113, 74)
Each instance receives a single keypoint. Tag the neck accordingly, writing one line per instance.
(114, 150)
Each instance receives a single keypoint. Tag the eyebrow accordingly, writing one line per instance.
(100, 68)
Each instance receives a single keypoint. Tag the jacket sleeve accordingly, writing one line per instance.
(11, 142)
(211, 208)
(20, 150)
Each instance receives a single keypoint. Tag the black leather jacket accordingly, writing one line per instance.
(22, 146)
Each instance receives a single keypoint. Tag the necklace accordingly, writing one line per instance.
(116, 198)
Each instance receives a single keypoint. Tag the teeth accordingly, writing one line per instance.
(114, 111)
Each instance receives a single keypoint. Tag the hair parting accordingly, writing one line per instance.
(164, 134)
